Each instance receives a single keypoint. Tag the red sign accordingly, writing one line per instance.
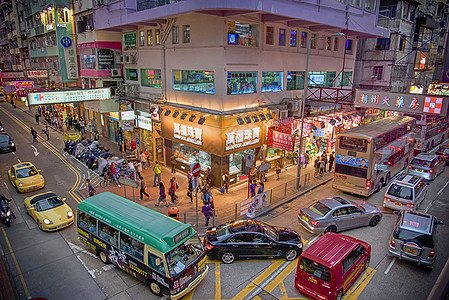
(196, 169)
(24, 84)
(283, 141)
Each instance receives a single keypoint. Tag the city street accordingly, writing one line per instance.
(32, 254)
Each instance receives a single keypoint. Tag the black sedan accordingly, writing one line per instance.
(251, 239)
(6, 143)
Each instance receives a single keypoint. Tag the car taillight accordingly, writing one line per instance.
(209, 247)
(432, 253)
(410, 167)
(431, 171)
(410, 205)
(392, 243)
(333, 177)
(388, 199)
(314, 223)
(368, 184)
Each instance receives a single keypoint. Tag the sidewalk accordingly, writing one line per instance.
(226, 205)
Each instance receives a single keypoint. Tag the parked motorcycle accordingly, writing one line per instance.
(5, 211)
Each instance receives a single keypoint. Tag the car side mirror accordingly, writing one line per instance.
(440, 222)
(39, 171)
(32, 208)
(63, 199)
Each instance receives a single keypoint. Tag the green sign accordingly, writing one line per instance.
(130, 39)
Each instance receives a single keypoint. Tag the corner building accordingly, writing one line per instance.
(212, 76)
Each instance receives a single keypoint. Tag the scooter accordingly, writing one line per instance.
(5, 211)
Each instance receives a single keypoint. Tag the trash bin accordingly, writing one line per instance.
(173, 212)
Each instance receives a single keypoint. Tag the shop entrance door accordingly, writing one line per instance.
(159, 149)
(112, 129)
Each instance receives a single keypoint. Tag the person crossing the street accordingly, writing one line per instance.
(143, 187)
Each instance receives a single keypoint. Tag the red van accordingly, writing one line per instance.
(328, 268)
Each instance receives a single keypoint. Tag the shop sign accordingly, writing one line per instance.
(283, 121)
(154, 109)
(37, 74)
(12, 75)
(24, 84)
(130, 41)
(408, 103)
(249, 206)
(283, 141)
(351, 161)
(70, 58)
(114, 115)
(69, 96)
(144, 123)
(242, 138)
(127, 115)
(188, 133)
(438, 89)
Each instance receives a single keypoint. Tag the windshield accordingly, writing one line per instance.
(315, 269)
(184, 255)
(421, 163)
(4, 139)
(403, 234)
(319, 208)
(270, 231)
(401, 191)
(50, 203)
(26, 172)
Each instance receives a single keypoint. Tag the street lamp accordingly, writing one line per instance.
(306, 86)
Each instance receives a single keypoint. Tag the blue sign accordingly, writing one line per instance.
(66, 41)
(351, 161)
(137, 141)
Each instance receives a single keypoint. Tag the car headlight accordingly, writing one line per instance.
(47, 222)
(41, 179)
(69, 214)
(12, 144)
(8, 213)
(20, 184)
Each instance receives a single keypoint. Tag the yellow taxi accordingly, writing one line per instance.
(49, 211)
(24, 177)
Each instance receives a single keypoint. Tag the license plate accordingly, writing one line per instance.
(313, 280)
(411, 251)
(348, 183)
(62, 225)
(305, 218)
(419, 170)
(398, 204)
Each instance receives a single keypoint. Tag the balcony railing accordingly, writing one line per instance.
(148, 4)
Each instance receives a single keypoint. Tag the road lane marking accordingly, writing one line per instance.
(356, 290)
(16, 264)
(281, 276)
(312, 240)
(91, 272)
(442, 188)
(283, 290)
(389, 266)
(217, 281)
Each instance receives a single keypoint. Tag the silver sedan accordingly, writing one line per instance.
(338, 214)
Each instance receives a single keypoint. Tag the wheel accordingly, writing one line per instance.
(331, 228)
(103, 257)
(378, 187)
(103, 183)
(40, 226)
(374, 221)
(8, 223)
(227, 258)
(340, 295)
(291, 254)
(367, 262)
(155, 289)
(387, 179)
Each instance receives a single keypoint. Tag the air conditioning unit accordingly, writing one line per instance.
(125, 58)
(89, 27)
(118, 59)
(115, 73)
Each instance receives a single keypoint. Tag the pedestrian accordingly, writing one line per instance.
(90, 188)
(33, 134)
(138, 168)
(278, 169)
(173, 163)
(131, 170)
(322, 164)
(36, 116)
(172, 190)
(207, 211)
(13, 105)
(39, 111)
(143, 187)
(143, 160)
(113, 170)
(210, 199)
(47, 132)
(189, 175)
(316, 165)
(331, 160)
(253, 188)
(226, 181)
(306, 159)
(261, 188)
(208, 177)
(324, 160)
(190, 190)
(147, 155)
(157, 173)
(162, 196)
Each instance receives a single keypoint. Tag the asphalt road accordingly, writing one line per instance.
(56, 266)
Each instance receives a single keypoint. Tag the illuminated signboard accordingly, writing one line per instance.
(438, 89)
(114, 115)
(144, 123)
(69, 96)
(12, 75)
(187, 133)
(127, 115)
(242, 138)
(37, 74)
(407, 103)
(24, 84)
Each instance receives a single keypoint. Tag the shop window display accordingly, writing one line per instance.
(242, 83)
(189, 155)
(295, 80)
(131, 74)
(347, 79)
(194, 81)
(243, 34)
(272, 81)
(237, 161)
(88, 59)
(105, 59)
(322, 79)
(151, 78)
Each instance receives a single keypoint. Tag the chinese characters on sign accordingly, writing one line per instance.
(144, 123)
(283, 141)
(242, 138)
(70, 61)
(188, 133)
(68, 96)
(37, 73)
(24, 84)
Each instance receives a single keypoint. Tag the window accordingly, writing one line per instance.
(108, 234)
(272, 81)
(141, 38)
(313, 268)
(295, 80)
(388, 11)
(346, 79)
(243, 34)
(150, 37)
(313, 41)
(175, 34)
(336, 44)
(131, 74)
(293, 38)
(88, 59)
(402, 41)
(340, 212)
(348, 47)
(323, 79)
(282, 37)
(329, 43)
(151, 78)
(353, 144)
(131, 246)
(184, 255)
(242, 83)
(193, 81)
(356, 2)
(186, 34)
(303, 39)
(370, 5)
(189, 155)
(269, 35)
(377, 73)
(87, 222)
(383, 44)
(156, 263)
(157, 33)
(352, 258)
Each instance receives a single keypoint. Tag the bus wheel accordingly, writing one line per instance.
(155, 288)
(103, 257)
(331, 228)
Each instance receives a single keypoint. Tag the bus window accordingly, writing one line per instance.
(82, 220)
(355, 144)
(184, 255)
(108, 234)
(156, 263)
(350, 170)
(131, 246)
(87, 222)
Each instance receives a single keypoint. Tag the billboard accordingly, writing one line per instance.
(68, 96)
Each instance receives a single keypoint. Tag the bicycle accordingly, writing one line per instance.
(106, 180)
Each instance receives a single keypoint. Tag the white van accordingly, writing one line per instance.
(406, 192)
